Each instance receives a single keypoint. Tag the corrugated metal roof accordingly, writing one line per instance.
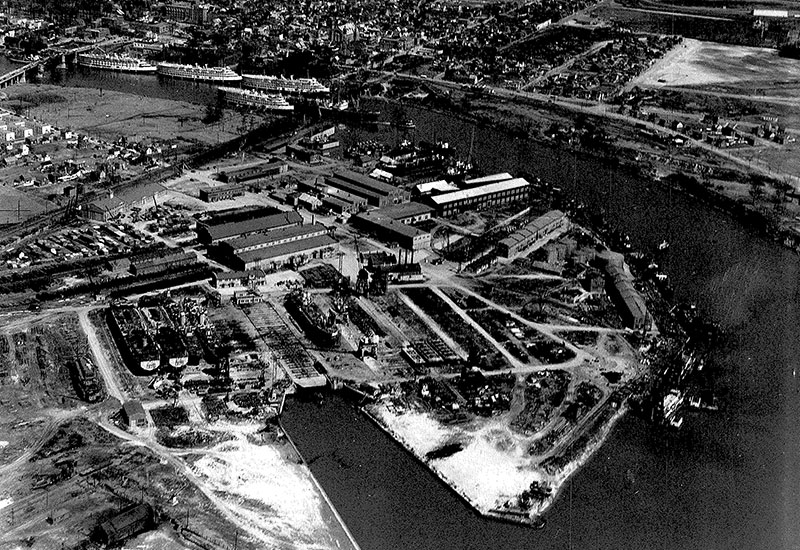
(531, 229)
(439, 185)
(367, 183)
(502, 176)
(473, 192)
(267, 223)
(275, 235)
(287, 248)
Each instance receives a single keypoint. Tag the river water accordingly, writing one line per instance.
(148, 85)
(730, 480)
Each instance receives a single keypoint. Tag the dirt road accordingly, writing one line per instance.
(100, 358)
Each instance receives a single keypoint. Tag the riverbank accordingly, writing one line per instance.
(771, 212)
(335, 518)
(264, 484)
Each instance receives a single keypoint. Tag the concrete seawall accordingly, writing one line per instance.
(321, 490)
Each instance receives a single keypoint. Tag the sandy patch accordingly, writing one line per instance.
(274, 497)
(419, 432)
(487, 475)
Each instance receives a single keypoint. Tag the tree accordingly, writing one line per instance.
(213, 111)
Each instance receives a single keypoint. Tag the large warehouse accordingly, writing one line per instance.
(142, 196)
(254, 172)
(292, 254)
(392, 224)
(481, 197)
(623, 293)
(376, 192)
(212, 234)
(536, 232)
(275, 237)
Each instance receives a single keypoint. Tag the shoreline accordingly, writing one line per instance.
(741, 213)
(320, 489)
(532, 518)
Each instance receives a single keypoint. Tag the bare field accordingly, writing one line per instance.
(19, 204)
(733, 68)
(110, 115)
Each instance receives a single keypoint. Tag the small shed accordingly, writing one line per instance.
(133, 414)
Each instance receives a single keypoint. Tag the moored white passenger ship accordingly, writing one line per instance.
(299, 86)
(253, 98)
(115, 62)
(197, 72)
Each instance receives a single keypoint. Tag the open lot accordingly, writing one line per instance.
(109, 114)
(750, 71)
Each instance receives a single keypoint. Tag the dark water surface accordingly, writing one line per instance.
(147, 85)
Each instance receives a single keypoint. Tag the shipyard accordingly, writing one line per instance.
(253, 257)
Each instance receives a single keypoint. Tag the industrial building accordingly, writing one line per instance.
(293, 253)
(255, 172)
(271, 238)
(376, 192)
(339, 205)
(536, 232)
(209, 233)
(492, 178)
(481, 197)
(619, 285)
(171, 258)
(392, 224)
(438, 186)
(337, 199)
(125, 524)
(409, 213)
(238, 279)
(221, 193)
(142, 196)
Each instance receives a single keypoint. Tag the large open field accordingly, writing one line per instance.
(696, 64)
(110, 115)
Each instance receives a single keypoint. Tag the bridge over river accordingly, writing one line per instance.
(20, 74)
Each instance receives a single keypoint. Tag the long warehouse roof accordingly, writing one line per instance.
(472, 192)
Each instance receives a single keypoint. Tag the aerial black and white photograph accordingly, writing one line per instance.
(399, 274)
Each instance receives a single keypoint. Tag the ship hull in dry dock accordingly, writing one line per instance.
(321, 335)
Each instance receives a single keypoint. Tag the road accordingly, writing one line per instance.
(100, 358)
